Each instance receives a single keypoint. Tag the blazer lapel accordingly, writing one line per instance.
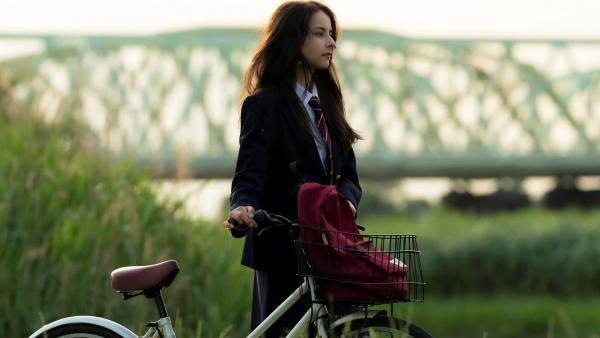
(337, 156)
(306, 143)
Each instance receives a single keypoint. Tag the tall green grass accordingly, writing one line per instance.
(69, 215)
(530, 251)
(505, 316)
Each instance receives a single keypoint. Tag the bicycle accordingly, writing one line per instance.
(133, 281)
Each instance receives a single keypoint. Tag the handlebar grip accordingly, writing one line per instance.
(261, 217)
(268, 221)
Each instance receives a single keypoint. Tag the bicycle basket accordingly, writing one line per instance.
(360, 269)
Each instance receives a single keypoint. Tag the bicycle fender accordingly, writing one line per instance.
(356, 315)
(98, 321)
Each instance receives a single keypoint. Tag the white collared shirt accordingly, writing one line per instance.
(304, 97)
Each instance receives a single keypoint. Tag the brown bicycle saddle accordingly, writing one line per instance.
(147, 277)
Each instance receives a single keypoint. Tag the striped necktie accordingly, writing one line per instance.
(322, 126)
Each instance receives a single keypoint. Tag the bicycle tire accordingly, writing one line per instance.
(380, 327)
(79, 330)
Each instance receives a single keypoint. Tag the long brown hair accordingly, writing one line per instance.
(274, 66)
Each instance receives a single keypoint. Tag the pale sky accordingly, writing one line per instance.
(417, 18)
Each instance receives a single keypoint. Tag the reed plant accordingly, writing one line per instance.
(70, 214)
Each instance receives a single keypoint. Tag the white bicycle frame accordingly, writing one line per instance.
(318, 310)
(292, 299)
(306, 319)
(164, 325)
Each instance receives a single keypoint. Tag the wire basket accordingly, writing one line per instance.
(360, 269)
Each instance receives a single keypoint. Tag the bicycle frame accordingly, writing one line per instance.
(319, 310)
(166, 328)
(164, 325)
(302, 325)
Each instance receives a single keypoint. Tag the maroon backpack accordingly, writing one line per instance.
(348, 266)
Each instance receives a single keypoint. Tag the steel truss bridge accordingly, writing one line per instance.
(426, 107)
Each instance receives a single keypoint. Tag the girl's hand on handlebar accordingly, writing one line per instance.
(240, 218)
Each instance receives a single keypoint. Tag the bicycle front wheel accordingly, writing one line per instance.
(380, 327)
(79, 330)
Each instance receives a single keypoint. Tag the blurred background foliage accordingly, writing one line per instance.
(69, 214)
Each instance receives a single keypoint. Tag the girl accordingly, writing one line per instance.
(293, 130)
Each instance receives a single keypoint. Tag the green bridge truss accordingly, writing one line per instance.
(450, 108)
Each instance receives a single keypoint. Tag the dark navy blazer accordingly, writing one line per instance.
(276, 156)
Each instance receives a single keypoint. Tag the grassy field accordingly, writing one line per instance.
(529, 251)
(505, 316)
(531, 273)
(69, 215)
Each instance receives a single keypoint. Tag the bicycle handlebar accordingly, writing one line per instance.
(266, 220)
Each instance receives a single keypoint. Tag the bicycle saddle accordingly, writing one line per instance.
(141, 278)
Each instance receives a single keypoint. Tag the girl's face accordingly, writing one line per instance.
(317, 48)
